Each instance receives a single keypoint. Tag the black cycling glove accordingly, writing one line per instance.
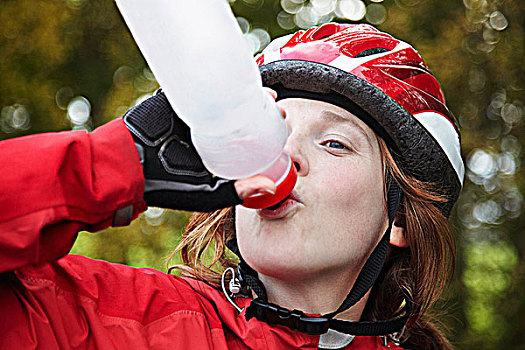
(175, 175)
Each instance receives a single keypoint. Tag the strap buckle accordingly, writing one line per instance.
(293, 319)
(396, 337)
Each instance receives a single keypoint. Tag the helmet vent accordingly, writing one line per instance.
(324, 36)
(372, 51)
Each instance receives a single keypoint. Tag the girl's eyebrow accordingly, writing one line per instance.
(335, 117)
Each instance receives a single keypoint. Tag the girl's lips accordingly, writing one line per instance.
(282, 210)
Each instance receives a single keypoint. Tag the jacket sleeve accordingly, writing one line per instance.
(54, 185)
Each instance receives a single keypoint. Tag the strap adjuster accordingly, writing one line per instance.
(293, 319)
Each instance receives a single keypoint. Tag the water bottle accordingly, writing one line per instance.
(200, 58)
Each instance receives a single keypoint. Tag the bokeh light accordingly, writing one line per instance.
(285, 20)
(306, 17)
(63, 96)
(243, 24)
(375, 14)
(512, 113)
(145, 81)
(498, 21)
(14, 118)
(481, 163)
(487, 212)
(511, 144)
(155, 216)
(506, 163)
(477, 79)
(323, 7)
(123, 75)
(257, 39)
(353, 10)
(307, 13)
(79, 110)
(292, 6)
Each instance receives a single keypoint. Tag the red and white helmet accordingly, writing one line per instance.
(383, 81)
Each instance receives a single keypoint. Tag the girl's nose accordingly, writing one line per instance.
(296, 142)
(295, 151)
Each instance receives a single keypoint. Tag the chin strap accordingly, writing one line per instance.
(297, 320)
(317, 325)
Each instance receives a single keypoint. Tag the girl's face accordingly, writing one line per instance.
(337, 213)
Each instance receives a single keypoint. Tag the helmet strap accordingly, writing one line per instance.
(297, 320)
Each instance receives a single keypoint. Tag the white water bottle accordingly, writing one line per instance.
(212, 82)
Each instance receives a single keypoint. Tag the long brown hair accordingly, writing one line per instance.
(419, 272)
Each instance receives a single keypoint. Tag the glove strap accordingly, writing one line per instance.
(123, 216)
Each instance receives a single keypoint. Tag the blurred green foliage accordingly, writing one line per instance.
(497, 260)
(71, 64)
(147, 242)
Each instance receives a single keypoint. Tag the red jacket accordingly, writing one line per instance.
(55, 185)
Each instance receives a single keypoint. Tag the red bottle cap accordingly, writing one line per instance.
(284, 188)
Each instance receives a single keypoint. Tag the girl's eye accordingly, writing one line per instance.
(335, 144)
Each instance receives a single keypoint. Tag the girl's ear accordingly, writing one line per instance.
(397, 236)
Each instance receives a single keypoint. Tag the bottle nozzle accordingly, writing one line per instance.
(285, 185)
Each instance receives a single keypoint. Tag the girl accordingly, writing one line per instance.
(378, 159)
